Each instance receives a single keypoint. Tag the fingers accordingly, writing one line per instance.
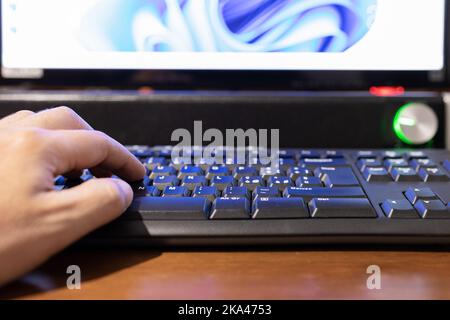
(60, 118)
(79, 149)
(15, 117)
(84, 208)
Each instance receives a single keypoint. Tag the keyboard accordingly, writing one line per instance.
(309, 197)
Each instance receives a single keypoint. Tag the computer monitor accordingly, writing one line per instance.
(318, 44)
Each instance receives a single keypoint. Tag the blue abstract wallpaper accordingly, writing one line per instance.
(226, 25)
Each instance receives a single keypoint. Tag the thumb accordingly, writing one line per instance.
(86, 207)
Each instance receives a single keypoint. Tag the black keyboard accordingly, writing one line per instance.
(311, 197)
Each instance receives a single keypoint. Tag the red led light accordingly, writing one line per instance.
(387, 91)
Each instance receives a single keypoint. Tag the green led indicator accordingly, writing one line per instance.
(400, 121)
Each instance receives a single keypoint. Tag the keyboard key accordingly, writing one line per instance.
(422, 163)
(332, 154)
(211, 193)
(189, 171)
(191, 182)
(140, 185)
(153, 162)
(267, 172)
(416, 194)
(341, 208)
(310, 154)
(149, 191)
(416, 155)
(391, 155)
(236, 192)
(175, 192)
(286, 163)
(161, 182)
(295, 172)
(266, 192)
(399, 209)
(376, 174)
(305, 182)
(321, 192)
(432, 209)
(159, 208)
(433, 175)
(286, 154)
(162, 171)
(216, 171)
(251, 183)
(279, 208)
(230, 208)
(222, 182)
(404, 174)
(364, 163)
(242, 171)
(366, 154)
(446, 165)
(389, 164)
(311, 163)
(337, 177)
(279, 182)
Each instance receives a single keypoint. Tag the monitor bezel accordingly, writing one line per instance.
(245, 79)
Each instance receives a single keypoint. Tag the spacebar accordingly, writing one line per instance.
(160, 208)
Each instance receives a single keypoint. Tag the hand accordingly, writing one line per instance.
(36, 221)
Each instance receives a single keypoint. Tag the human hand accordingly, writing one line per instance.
(36, 221)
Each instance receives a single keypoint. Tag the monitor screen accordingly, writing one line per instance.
(284, 35)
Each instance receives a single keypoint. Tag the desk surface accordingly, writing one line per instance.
(145, 274)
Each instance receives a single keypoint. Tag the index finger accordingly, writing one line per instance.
(81, 149)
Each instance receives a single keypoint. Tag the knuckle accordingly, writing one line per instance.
(28, 138)
(24, 113)
(66, 112)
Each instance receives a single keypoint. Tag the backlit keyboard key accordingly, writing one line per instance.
(191, 182)
(376, 174)
(389, 164)
(422, 163)
(324, 162)
(416, 194)
(236, 192)
(161, 182)
(399, 209)
(162, 171)
(149, 191)
(341, 208)
(295, 172)
(251, 183)
(230, 208)
(189, 171)
(175, 192)
(364, 163)
(155, 161)
(279, 182)
(222, 182)
(404, 174)
(307, 182)
(216, 171)
(311, 154)
(337, 177)
(321, 192)
(211, 193)
(279, 208)
(433, 175)
(242, 171)
(432, 209)
(266, 192)
(267, 172)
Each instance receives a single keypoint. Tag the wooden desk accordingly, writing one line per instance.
(145, 274)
